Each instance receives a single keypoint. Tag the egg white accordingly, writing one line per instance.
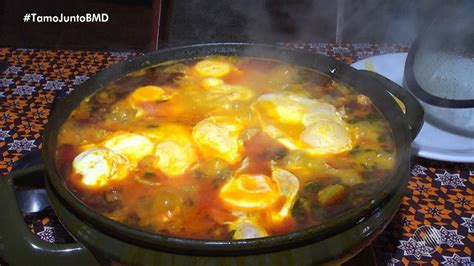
(132, 145)
(323, 131)
(100, 165)
(218, 136)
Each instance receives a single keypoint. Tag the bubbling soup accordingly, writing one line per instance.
(225, 148)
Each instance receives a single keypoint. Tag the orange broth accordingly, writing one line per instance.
(198, 127)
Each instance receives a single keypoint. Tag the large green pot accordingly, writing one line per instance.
(102, 240)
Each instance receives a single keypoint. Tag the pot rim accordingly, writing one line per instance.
(337, 224)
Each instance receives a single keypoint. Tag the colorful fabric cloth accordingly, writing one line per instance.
(435, 222)
(434, 225)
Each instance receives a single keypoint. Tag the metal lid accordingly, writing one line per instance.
(440, 65)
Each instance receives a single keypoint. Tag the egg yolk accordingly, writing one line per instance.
(149, 94)
(132, 145)
(274, 196)
(100, 165)
(285, 107)
(212, 68)
(301, 123)
(234, 92)
(209, 83)
(249, 192)
(168, 131)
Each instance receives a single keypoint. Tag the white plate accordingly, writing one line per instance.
(432, 142)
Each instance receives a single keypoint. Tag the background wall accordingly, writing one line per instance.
(195, 21)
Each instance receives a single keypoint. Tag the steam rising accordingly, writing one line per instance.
(273, 21)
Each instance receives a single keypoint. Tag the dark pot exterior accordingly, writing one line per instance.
(336, 240)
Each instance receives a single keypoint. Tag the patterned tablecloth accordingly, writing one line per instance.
(438, 200)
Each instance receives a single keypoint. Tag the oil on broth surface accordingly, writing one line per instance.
(224, 148)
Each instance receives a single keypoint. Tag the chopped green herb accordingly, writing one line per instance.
(372, 117)
(320, 213)
(148, 175)
(230, 234)
(382, 138)
(216, 183)
(225, 174)
(355, 150)
(367, 175)
(301, 208)
(312, 187)
(198, 174)
(189, 202)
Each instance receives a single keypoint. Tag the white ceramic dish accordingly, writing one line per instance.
(432, 142)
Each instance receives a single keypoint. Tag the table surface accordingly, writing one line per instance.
(439, 195)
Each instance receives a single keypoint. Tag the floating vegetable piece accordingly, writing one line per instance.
(363, 100)
(348, 177)
(160, 210)
(371, 159)
(213, 169)
(305, 166)
(331, 194)
(147, 179)
(123, 112)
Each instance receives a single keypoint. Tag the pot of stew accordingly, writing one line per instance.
(220, 154)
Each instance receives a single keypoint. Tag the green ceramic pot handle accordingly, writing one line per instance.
(18, 246)
(412, 108)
